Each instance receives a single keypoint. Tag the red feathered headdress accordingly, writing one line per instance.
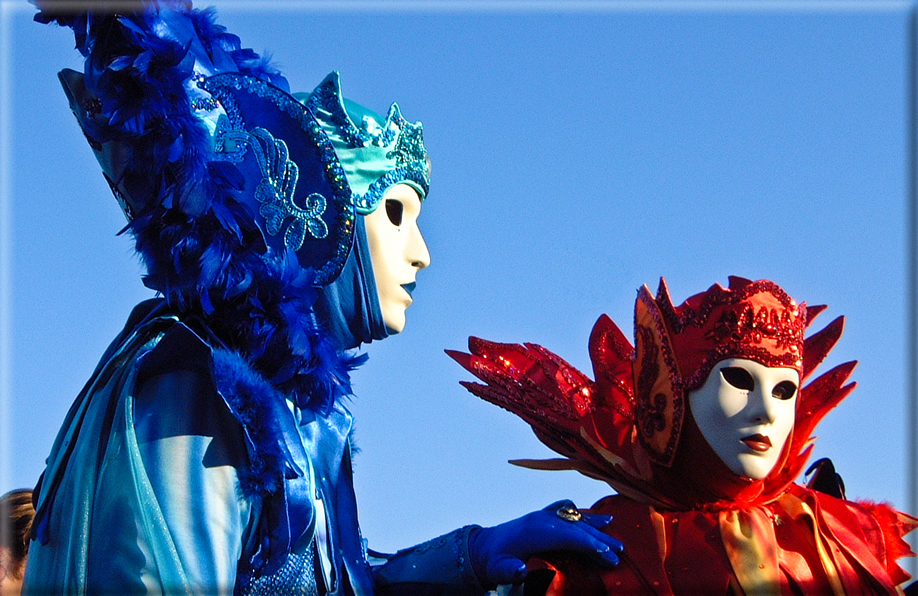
(624, 428)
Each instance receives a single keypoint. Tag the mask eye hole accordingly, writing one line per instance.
(395, 210)
(738, 377)
(784, 390)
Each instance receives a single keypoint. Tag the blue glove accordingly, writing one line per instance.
(498, 554)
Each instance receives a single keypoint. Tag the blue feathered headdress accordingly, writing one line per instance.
(198, 221)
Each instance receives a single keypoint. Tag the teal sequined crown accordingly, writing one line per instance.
(375, 153)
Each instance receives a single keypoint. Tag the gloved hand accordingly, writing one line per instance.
(498, 554)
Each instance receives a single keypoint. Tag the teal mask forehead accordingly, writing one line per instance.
(374, 152)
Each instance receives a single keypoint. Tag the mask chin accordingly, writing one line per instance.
(701, 475)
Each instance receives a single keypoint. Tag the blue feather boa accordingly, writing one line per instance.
(201, 248)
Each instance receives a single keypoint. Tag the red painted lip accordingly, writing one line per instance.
(757, 442)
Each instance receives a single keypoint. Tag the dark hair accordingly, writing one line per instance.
(16, 513)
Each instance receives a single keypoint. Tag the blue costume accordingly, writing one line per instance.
(166, 436)
(210, 451)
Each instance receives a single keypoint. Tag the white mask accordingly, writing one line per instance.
(397, 251)
(745, 411)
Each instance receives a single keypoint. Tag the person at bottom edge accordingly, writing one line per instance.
(701, 428)
(210, 452)
(16, 513)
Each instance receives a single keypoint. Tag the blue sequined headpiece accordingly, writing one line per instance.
(304, 165)
(313, 166)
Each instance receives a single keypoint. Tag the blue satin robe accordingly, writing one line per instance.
(167, 477)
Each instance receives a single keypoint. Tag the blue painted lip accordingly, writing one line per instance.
(410, 287)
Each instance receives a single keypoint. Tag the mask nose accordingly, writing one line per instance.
(762, 406)
(416, 250)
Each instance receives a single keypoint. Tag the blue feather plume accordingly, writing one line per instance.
(201, 247)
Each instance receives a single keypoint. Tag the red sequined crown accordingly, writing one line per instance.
(754, 320)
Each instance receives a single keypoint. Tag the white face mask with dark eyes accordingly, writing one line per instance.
(745, 412)
(397, 251)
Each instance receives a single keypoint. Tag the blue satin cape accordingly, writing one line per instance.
(164, 479)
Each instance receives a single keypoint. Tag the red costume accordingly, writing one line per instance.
(689, 524)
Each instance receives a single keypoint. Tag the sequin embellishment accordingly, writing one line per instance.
(275, 192)
(229, 146)
(785, 329)
(296, 576)
(409, 147)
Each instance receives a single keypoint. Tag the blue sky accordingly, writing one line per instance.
(577, 154)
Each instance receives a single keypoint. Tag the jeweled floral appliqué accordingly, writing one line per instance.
(275, 193)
